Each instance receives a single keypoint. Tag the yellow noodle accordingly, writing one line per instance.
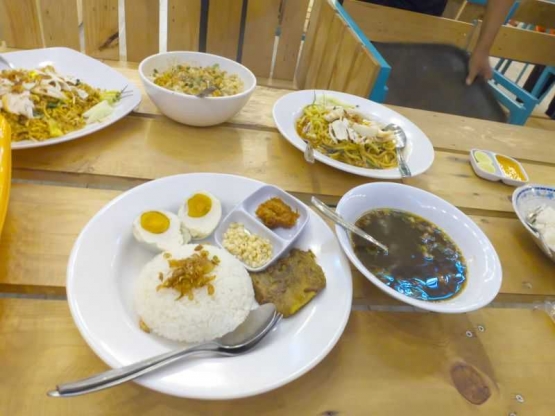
(374, 155)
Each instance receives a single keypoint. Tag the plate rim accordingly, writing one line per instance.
(355, 170)
(134, 101)
(79, 323)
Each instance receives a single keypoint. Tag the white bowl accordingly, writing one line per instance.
(484, 273)
(188, 109)
(525, 200)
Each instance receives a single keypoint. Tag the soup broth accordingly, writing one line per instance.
(423, 262)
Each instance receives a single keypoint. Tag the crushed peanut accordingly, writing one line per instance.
(144, 326)
(251, 249)
(191, 273)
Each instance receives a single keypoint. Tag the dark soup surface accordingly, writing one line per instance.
(423, 262)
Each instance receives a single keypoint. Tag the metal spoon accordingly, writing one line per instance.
(206, 92)
(258, 323)
(309, 152)
(6, 62)
(339, 220)
(400, 144)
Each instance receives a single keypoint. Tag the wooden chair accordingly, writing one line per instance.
(243, 30)
(512, 43)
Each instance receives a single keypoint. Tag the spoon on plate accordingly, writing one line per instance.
(6, 62)
(206, 92)
(400, 144)
(257, 325)
(339, 220)
(309, 152)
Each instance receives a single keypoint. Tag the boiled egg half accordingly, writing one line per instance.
(200, 213)
(160, 230)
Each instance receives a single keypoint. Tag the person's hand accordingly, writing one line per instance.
(479, 66)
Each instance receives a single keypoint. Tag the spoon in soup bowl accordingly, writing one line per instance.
(339, 220)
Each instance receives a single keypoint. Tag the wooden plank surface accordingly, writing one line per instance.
(525, 46)
(364, 72)
(317, 54)
(336, 30)
(309, 42)
(19, 24)
(446, 131)
(100, 21)
(183, 25)
(376, 23)
(224, 26)
(34, 249)
(142, 27)
(420, 363)
(141, 148)
(292, 25)
(60, 23)
(346, 56)
(537, 12)
(260, 35)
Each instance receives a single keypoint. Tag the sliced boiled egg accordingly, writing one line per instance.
(200, 213)
(160, 230)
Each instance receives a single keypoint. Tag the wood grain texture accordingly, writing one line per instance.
(469, 12)
(60, 23)
(386, 24)
(34, 249)
(260, 35)
(142, 27)
(19, 24)
(100, 21)
(183, 25)
(322, 39)
(364, 72)
(292, 26)
(224, 26)
(309, 42)
(336, 30)
(419, 357)
(446, 131)
(151, 148)
(536, 12)
(346, 56)
(525, 46)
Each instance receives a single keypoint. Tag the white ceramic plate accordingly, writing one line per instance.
(484, 273)
(419, 152)
(93, 72)
(106, 261)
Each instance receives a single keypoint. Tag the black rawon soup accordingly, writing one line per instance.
(423, 262)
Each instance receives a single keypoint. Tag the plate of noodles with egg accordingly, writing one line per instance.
(348, 133)
(183, 260)
(55, 95)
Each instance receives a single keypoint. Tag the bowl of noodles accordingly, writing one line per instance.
(349, 133)
(172, 80)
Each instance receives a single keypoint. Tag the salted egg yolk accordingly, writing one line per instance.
(199, 205)
(155, 222)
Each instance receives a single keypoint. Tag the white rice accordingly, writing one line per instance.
(204, 318)
(545, 223)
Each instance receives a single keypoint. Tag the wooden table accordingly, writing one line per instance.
(391, 360)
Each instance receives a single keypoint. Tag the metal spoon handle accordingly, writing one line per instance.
(309, 152)
(403, 166)
(332, 215)
(129, 372)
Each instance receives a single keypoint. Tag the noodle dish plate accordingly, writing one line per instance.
(72, 70)
(347, 133)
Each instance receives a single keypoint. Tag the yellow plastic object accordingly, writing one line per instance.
(5, 168)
